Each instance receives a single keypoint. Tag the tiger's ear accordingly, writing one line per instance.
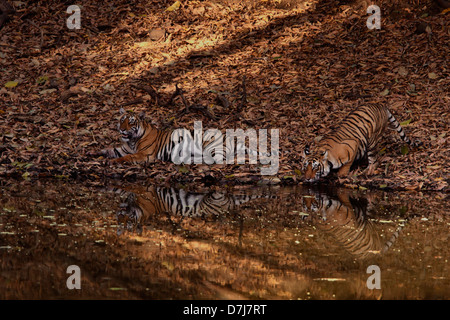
(306, 150)
(325, 155)
(122, 111)
(142, 115)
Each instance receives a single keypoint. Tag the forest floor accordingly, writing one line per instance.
(296, 66)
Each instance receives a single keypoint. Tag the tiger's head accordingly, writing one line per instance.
(316, 163)
(130, 126)
(129, 217)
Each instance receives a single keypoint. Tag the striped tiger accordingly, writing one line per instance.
(142, 142)
(345, 218)
(142, 204)
(356, 137)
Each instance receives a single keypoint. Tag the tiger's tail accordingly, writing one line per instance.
(400, 130)
(389, 243)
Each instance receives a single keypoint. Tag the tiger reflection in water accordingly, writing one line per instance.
(143, 203)
(346, 218)
(341, 214)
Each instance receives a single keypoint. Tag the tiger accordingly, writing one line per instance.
(345, 217)
(147, 203)
(348, 218)
(142, 142)
(355, 138)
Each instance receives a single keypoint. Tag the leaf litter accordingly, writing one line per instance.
(304, 66)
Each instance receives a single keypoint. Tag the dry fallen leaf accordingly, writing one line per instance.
(11, 84)
(174, 6)
(402, 71)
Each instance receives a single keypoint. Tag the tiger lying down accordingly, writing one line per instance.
(354, 139)
(142, 142)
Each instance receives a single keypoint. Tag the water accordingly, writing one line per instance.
(154, 242)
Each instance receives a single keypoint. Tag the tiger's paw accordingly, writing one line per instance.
(115, 161)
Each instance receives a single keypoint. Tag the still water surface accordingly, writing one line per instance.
(154, 242)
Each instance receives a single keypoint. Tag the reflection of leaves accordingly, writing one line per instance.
(168, 265)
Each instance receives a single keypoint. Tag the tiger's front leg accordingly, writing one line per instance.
(371, 156)
(345, 169)
(111, 153)
(346, 157)
(123, 159)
